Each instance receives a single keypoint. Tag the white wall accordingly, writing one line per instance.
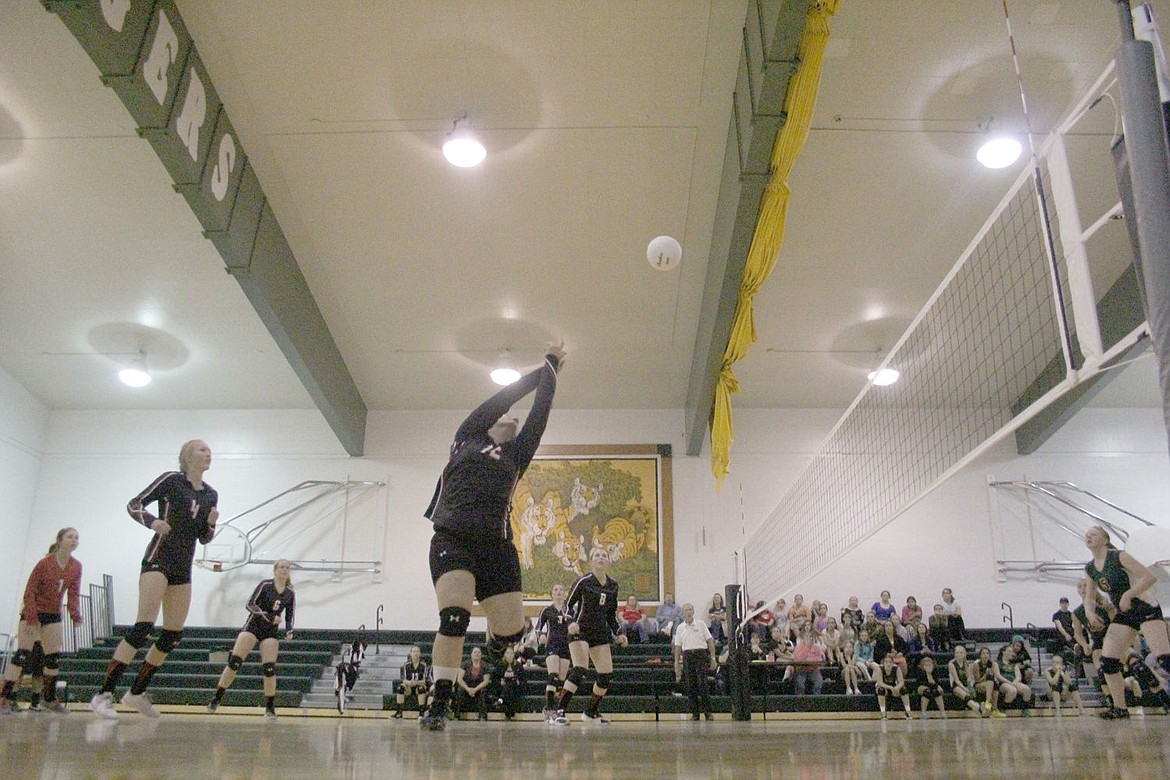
(954, 536)
(22, 432)
(93, 462)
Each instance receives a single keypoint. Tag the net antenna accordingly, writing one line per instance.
(1070, 359)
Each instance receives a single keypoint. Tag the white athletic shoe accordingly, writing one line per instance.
(599, 719)
(558, 718)
(140, 702)
(103, 705)
(269, 713)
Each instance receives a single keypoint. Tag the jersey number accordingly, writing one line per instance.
(601, 600)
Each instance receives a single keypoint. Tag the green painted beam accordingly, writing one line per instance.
(767, 62)
(145, 54)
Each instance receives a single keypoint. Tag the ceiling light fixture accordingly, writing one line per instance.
(999, 150)
(883, 377)
(505, 372)
(135, 374)
(461, 148)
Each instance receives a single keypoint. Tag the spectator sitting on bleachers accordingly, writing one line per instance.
(954, 615)
(1143, 673)
(851, 671)
(872, 625)
(1061, 685)
(821, 617)
(762, 622)
(889, 643)
(831, 640)
(474, 678)
(756, 651)
(883, 610)
(852, 614)
(1009, 674)
(928, 685)
(799, 610)
(667, 617)
(780, 612)
(807, 658)
(985, 678)
(963, 683)
(890, 681)
(1024, 659)
(716, 617)
(911, 612)
(632, 618)
(863, 655)
(939, 631)
(919, 643)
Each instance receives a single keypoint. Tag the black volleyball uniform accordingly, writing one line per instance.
(556, 622)
(1096, 636)
(1113, 580)
(472, 504)
(414, 674)
(186, 510)
(265, 605)
(593, 607)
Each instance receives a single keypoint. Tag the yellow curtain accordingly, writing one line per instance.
(768, 238)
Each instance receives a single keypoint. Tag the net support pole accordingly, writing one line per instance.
(738, 669)
(1143, 118)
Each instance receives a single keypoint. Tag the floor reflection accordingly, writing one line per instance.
(193, 747)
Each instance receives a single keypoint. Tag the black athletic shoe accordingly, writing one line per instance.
(1115, 713)
(398, 715)
(432, 722)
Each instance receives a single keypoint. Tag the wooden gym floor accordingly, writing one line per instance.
(242, 744)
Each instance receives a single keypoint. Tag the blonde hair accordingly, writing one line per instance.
(60, 534)
(279, 561)
(185, 453)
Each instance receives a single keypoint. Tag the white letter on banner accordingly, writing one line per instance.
(192, 116)
(163, 51)
(221, 174)
(115, 12)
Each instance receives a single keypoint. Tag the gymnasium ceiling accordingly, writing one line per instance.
(606, 124)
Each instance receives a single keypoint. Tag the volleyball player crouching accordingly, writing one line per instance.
(553, 629)
(593, 603)
(271, 599)
(55, 576)
(187, 514)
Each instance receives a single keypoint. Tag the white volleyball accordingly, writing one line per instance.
(664, 253)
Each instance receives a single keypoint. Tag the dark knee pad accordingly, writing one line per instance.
(269, 669)
(576, 677)
(167, 639)
(20, 658)
(554, 681)
(139, 634)
(1111, 665)
(53, 661)
(453, 621)
(603, 680)
(235, 662)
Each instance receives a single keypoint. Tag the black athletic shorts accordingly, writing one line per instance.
(48, 618)
(558, 648)
(1139, 612)
(262, 629)
(174, 575)
(595, 636)
(493, 562)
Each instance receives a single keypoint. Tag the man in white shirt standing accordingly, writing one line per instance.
(694, 655)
